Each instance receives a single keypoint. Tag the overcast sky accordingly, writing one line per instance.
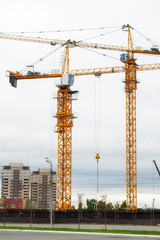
(26, 123)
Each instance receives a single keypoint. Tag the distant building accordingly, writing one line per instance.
(41, 188)
(14, 203)
(1, 203)
(18, 182)
(17, 203)
(15, 181)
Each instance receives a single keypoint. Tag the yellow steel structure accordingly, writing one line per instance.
(131, 150)
(89, 71)
(64, 111)
(64, 126)
(64, 129)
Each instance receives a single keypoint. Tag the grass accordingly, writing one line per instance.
(138, 232)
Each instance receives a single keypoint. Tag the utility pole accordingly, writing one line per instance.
(51, 207)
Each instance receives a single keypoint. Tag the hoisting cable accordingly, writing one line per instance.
(41, 59)
(52, 86)
(97, 125)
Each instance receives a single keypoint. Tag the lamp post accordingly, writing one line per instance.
(30, 197)
(4, 215)
(50, 162)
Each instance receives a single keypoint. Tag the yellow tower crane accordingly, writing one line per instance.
(64, 128)
(64, 109)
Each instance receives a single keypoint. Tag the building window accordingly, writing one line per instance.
(13, 205)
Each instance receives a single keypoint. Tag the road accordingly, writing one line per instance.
(19, 235)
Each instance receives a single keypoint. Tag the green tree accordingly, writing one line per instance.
(109, 206)
(123, 205)
(101, 206)
(117, 206)
(80, 204)
(91, 203)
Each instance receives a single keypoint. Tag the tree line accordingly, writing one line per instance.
(93, 204)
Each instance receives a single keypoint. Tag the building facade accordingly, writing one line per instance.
(14, 203)
(18, 182)
(43, 188)
(15, 181)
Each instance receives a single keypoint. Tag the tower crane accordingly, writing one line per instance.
(65, 116)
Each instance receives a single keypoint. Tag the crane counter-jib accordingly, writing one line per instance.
(18, 77)
(13, 77)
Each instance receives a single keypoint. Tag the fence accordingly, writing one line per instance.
(84, 216)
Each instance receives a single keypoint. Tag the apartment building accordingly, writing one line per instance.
(41, 188)
(15, 181)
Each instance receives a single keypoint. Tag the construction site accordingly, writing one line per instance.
(65, 81)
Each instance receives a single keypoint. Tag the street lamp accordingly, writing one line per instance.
(50, 162)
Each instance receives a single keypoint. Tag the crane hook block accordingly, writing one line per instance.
(97, 156)
(12, 80)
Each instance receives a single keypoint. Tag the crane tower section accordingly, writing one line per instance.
(64, 126)
(131, 148)
(131, 153)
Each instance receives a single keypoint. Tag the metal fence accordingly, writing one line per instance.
(79, 217)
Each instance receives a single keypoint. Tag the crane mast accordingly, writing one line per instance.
(131, 151)
(64, 128)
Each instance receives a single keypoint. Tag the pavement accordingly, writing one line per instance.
(88, 226)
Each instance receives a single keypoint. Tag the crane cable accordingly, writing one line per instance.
(41, 59)
(142, 35)
(90, 50)
(51, 136)
(100, 35)
(65, 30)
(97, 124)
(47, 55)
